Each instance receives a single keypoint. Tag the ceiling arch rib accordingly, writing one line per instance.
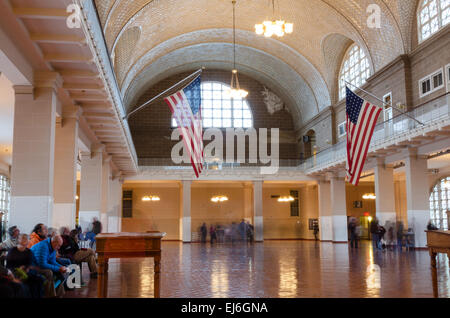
(278, 50)
(314, 18)
(254, 63)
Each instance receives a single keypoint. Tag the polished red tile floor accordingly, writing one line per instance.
(275, 269)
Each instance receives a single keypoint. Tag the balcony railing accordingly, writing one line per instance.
(400, 127)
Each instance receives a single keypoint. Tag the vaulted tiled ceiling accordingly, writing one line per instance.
(178, 35)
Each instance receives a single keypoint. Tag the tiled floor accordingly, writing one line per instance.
(275, 269)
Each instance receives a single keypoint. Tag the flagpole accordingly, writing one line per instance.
(160, 94)
(384, 103)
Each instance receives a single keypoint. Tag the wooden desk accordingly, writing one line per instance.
(437, 242)
(126, 245)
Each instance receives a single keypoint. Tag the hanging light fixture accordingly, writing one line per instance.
(286, 199)
(277, 27)
(219, 198)
(148, 198)
(369, 196)
(235, 91)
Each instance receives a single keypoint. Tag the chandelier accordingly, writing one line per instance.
(150, 198)
(369, 196)
(219, 198)
(286, 199)
(235, 91)
(277, 27)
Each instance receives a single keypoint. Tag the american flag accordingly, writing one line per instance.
(186, 109)
(361, 117)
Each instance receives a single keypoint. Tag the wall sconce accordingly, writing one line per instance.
(148, 198)
(286, 199)
(77, 197)
(369, 196)
(219, 198)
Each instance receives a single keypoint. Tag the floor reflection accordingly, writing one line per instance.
(275, 269)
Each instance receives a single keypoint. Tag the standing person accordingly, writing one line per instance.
(250, 232)
(212, 233)
(242, 231)
(381, 241)
(316, 231)
(96, 226)
(399, 234)
(353, 235)
(374, 233)
(203, 232)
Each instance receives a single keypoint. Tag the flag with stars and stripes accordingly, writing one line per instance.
(186, 109)
(361, 118)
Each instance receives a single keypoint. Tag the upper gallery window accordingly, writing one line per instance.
(220, 111)
(432, 16)
(355, 69)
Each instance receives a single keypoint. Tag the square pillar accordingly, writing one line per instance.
(417, 196)
(91, 189)
(115, 204)
(185, 211)
(106, 180)
(325, 217)
(32, 172)
(385, 193)
(65, 179)
(338, 209)
(258, 211)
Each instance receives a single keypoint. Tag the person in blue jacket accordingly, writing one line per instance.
(44, 257)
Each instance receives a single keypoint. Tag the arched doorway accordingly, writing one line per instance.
(309, 144)
(440, 203)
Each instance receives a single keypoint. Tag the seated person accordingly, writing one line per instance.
(71, 250)
(13, 232)
(44, 257)
(40, 233)
(10, 287)
(19, 262)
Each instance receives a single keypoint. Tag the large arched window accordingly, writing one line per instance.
(355, 69)
(4, 203)
(432, 16)
(440, 203)
(220, 111)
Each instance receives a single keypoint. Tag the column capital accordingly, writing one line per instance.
(48, 79)
(72, 111)
(23, 89)
(98, 148)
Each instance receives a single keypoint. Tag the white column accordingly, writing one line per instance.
(106, 179)
(338, 209)
(115, 204)
(258, 211)
(91, 190)
(385, 193)
(65, 179)
(34, 149)
(417, 196)
(185, 211)
(325, 217)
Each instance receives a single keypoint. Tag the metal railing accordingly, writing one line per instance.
(399, 128)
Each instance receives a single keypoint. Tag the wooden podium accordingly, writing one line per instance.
(437, 242)
(127, 245)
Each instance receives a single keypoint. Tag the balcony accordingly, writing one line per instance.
(400, 130)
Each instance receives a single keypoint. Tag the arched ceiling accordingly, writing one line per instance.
(171, 28)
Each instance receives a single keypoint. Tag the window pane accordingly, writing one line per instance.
(207, 95)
